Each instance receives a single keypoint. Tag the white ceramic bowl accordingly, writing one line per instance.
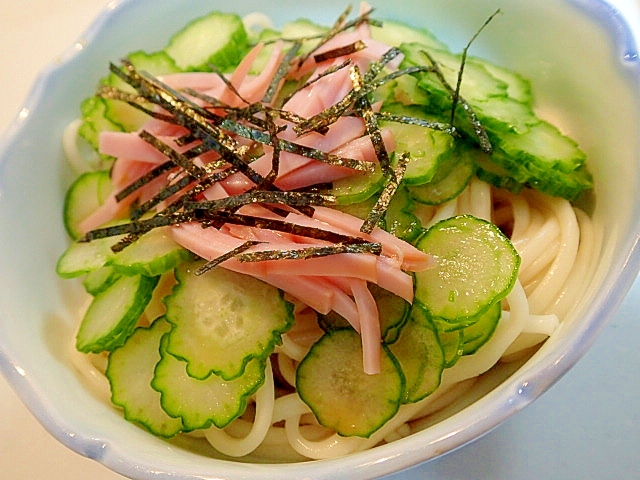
(582, 61)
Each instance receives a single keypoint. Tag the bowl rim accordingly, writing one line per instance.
(518, 391)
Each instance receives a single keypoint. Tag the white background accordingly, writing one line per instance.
(585, 427)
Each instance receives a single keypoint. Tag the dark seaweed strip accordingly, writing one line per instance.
(340, 26)
(332, 32)
(310, 252)
(185, 140)
(195, 152)
(125, 242)
(379, 209)
(140, 182)
(362, 87)
(279, 226)
(375, 68)
(281, 72)
(456, 94)
(227, 82)
(331, 114)
(433, 125)
(134, 100)
(263, 196)
(340, 51)
(398, 73)
(330, 70)
(189, 115)
(481, 134)
(230, 254)
(363, 107)
(173, 207)
(212, 101)
(302, 150)
(162, 195)
(175, 187)
(179, 159)
(138, 226)
(275, 155)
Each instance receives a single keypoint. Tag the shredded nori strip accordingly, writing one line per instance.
(478, 128)
(382, 204)
(179, 159)
(310, 252)
(216, 126)
(138, 226)
(230, 254)
(140, 182)
(324, 73)
(339, 51)
(189, 115)
(279, 226)
(262, 196)
(340, 26)
(281, 72)
(175, 187)
(421, 122)
(456, 93)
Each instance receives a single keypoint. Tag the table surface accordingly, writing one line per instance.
(584, 427)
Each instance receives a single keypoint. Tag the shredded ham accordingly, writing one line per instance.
(337, 282)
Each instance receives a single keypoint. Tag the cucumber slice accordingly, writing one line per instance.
(113, 314)
(202, 403)
(152, 254)
(359, 209)
(477, 334)
(357, 188)
(452, 178)
(451, 343)
(94, 121)
(86, 193)
(130, 371)
(123, 114)
(518, 87)
(420, 355)
(223, 319)
(392, 311)
(399, 218)
(476, 265)
(99, 279)
(477, 83)
(396, 33)
(218, 39)
(81, 258)
(544, 158)
(427, 148)
(332, 382)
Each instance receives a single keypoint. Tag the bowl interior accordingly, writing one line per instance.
(585, 81)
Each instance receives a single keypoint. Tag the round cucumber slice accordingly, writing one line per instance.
(476, 265)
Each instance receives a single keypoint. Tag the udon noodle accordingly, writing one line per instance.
(556, 242)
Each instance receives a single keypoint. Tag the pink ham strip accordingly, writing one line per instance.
(356, 265)
(228, 96)
(410, 257)
(110, 210)
(370, 333)
(130, 145)
(317, 292)
(313, 172)
(323, 93)
(393, 279)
